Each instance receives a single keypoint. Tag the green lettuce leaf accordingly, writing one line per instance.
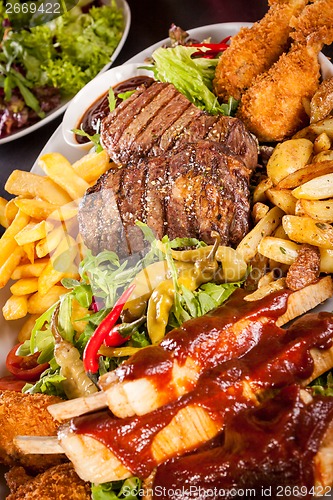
(191, 76)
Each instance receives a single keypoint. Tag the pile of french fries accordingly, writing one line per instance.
(40, 245)
(299, 187)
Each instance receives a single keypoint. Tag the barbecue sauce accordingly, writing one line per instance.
(100, 108)
(280, 358)
(264, 452)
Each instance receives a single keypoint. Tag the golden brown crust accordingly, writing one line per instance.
(57, 483)
(25, 414)
(253, 50)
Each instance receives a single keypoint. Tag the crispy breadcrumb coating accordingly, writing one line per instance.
(253, 50)
(273, 108)
(26, 414)
(57, 483)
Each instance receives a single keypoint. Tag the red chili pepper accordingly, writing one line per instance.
(213, 48)
(122, 332)
(90, 355)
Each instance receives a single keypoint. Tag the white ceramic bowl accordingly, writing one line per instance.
(90, 94)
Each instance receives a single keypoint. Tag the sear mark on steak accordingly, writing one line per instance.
(158, 119)
(189, 191)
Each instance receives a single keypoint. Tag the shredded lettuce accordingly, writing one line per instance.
(191, 76)
(323, 385)
(129, 489)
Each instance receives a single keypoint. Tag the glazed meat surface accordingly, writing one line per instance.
(188, 192)
(155, 120)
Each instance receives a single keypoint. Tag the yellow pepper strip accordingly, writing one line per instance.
(162, 298)
(234, 266)
(145, 283)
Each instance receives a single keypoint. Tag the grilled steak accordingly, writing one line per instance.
(189, 191)
(158, 119)
(183, 172)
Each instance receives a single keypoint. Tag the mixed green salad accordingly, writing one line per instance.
(41, 65)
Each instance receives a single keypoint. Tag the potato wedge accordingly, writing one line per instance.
(287, 157)
(59, 169)
(249, 245)
(306, 174)
(323, 156)
(283, 199)
(326, 260)
(259, 211)
(317, 189)
(265, 290)
(32, 185)
(259, 194)
(308, 230)
(320, 210)
(322, 143)
(278, 249)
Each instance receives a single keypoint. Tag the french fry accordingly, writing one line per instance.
(278, 249)
(249, 244)
(7, 268)
(60, 263)
(29, 270)
(26, 329)
(306, 174)
(320, 210)
(24, 286)
(33, 232)
(65, 212)
(317, 189)
(31, 185)
(11, 210)
(38, 304)
(37, 209)
(79, 312)
(7, 241)
(29, 250)
(59, 169)
(3, 218)
(15, 308)
(282, 198)
(287, 157)
(259, 194)
(307, 230)
(46, 245)
(92, 165)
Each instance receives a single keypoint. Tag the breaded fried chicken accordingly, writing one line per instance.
(273, 107)
(26, 414)
(253, 50)
(57, 483)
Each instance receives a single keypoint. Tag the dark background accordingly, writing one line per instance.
(151, 20)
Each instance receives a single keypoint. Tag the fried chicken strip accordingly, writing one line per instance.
(26, 414)
(253, 50)
(60, 482)
(273, 107)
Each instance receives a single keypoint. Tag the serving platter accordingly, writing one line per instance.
(57, 143)
(65, 102)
